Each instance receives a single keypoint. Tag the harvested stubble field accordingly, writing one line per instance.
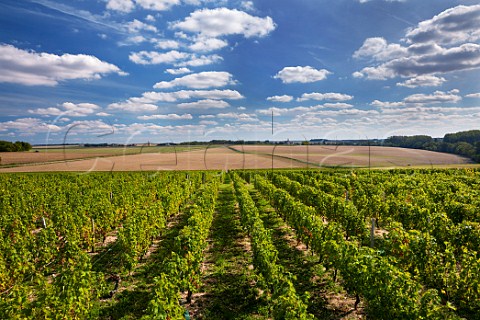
(54, 154)
(222, 158)
(22, 158)
(356, 156)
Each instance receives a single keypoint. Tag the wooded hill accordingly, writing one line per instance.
(464, 143)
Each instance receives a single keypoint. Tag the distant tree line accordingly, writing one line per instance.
(7, 146)
(229, 142)
(465, 143)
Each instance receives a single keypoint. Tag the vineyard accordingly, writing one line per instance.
(243, 244)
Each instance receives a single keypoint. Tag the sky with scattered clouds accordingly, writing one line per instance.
(124, 71)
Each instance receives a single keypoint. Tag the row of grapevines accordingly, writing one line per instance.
(331, 207)
(455, 192)
(287, 303)
(82, 207)
(147, 219)
(421, 209)
(47, 222)
(45, 271)
(182, 270)
(70, 292)
(437, 266)
(389, 291)
(447, 265)
(378, 198)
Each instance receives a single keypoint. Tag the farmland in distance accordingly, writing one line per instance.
(223, 158)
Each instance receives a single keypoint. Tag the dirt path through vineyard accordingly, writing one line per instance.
(229, 287)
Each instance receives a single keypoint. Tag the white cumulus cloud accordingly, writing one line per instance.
(455, 25)
(178, 71)
(283, 98)
(157, 5)
(204, 104)
(378, 49)
(102, 114)
(208, 122)
(127, 6)
(68, 109)
(137, 26)
(198, 61)
(446, 43)
(170, 116)
(132, 106)
(387, 104)
(338, 105)
(332, 96)
(194, 94)
(423, 81)
(464, 57)
(121, 5)
(32, 69)
(473, 95)
(174, 57)
(436, 97)
(243, 117)
(150, 18)
(166, 44)
(154, 57)
(153, 97)
(222, 21)
(202, 44)
(301, 74)
(29, 126)
(202, 80)
(248, 5)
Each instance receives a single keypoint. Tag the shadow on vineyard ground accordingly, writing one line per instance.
(228, 281)
(310, 275)
(134, 291)
(107, 259)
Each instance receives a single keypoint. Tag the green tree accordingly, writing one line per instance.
(7, 146)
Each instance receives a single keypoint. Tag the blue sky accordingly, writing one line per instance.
(129, 71)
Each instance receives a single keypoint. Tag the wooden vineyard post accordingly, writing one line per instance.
(93, 235)
(372, 233)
